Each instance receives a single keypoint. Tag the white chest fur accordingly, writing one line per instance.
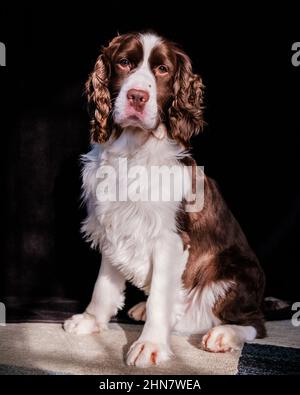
(126, 230)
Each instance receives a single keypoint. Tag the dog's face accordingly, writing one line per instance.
(140, 81)
(143, 82)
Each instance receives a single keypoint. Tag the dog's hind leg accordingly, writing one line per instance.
(138, 312)
(223, 338)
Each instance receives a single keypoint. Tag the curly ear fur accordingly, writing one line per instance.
(186, 111)
(99, 100)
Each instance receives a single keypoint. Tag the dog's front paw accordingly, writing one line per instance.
(144, 354)
(83, 324)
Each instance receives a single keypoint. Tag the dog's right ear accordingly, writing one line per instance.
(99, 101)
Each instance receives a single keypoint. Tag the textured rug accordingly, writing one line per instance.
(43, 348)
(259, 359)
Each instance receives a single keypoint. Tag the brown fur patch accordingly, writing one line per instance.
(219, 251)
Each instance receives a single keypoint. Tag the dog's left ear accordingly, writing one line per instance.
(98, 96)
(186, 111)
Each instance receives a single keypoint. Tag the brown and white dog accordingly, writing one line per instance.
(196, 267)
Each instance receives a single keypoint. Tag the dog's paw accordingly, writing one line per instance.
(144, 354)
(221, 338)
(83, 324)
(138, 312)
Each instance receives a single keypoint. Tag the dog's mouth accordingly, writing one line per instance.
(136, 120)
(145, 119)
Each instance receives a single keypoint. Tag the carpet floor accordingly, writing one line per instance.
(44, 348)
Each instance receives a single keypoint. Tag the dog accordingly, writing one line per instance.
(196, 266)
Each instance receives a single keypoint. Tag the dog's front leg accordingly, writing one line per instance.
(153, 346)
(107, 298)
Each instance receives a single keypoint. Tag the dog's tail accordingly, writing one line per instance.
(276, 309)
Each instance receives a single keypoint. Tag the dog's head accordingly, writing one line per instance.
(142, 80)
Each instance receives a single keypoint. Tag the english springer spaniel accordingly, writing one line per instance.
(196, 266)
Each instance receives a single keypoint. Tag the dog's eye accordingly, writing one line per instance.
(124, 62)
(162, 69)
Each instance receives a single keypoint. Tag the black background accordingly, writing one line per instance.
(250, 144)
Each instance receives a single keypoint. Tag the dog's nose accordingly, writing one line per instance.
(137, 99)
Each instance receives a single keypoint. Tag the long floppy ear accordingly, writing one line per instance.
(99, 100)
(186, 111)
